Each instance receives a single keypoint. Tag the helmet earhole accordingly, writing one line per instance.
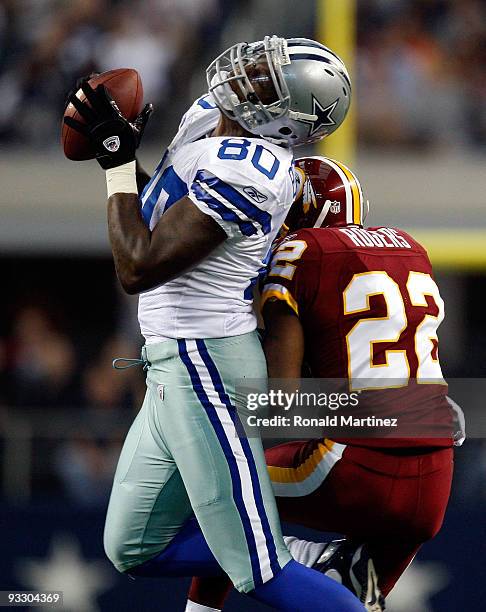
(285, 131)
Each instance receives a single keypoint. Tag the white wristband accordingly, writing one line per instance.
(122, 179)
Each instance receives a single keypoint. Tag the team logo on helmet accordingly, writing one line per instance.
(112, 144)
(324, 116)
(308, 197)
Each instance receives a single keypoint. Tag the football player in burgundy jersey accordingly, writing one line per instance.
(360, 304)
(357, 304)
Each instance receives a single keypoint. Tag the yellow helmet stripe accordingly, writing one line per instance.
(357, 214)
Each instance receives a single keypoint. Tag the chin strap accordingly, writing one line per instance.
(282, 142)
(323, 213)
(302, 116)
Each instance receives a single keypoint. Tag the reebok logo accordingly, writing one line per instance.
(255, 194)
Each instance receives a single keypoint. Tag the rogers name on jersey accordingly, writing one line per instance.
(381, 237)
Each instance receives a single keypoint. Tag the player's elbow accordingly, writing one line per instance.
(133, 283)
(131, 276)
(140, 277)
(129, 286)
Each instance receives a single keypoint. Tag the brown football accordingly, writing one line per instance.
(125, 87)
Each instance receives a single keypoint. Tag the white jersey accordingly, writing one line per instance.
(247, 186)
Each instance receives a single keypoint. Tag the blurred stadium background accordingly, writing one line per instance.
(417, 139)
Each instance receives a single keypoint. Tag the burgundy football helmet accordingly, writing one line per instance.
(328, 194)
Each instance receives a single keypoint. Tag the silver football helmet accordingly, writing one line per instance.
(310, 85)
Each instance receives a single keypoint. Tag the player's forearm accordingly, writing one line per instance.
(145, 259)
(284, 341)
(279, 363)
(130, 241)
(142, 177)
(140, 262)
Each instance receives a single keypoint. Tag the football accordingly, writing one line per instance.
(125, 87)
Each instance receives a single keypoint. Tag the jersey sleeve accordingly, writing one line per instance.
(294, 273)
(242, 201)
(200, 119)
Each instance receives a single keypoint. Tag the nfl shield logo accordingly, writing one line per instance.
(112, 144)
(335, 207)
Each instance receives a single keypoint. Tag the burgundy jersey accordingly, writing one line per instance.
(370, 310)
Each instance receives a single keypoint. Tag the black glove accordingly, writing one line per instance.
(113, 137)
(77, 87)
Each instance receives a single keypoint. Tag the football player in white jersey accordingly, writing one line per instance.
(193, 251)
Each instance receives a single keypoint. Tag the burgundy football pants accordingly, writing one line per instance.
(393, 499)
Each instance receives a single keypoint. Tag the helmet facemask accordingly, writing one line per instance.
(248, 85)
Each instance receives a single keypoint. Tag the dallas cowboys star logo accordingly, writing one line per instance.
(324, 116)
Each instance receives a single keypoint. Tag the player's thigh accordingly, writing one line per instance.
(302, 472)
(351, 499)
(413, 486)
(374, 494)
(413, 513)
(434, 488)
(148, 502)
(224, 474)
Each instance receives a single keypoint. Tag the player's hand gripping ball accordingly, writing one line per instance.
(103, 119)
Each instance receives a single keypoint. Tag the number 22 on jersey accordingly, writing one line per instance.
(360, 340)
